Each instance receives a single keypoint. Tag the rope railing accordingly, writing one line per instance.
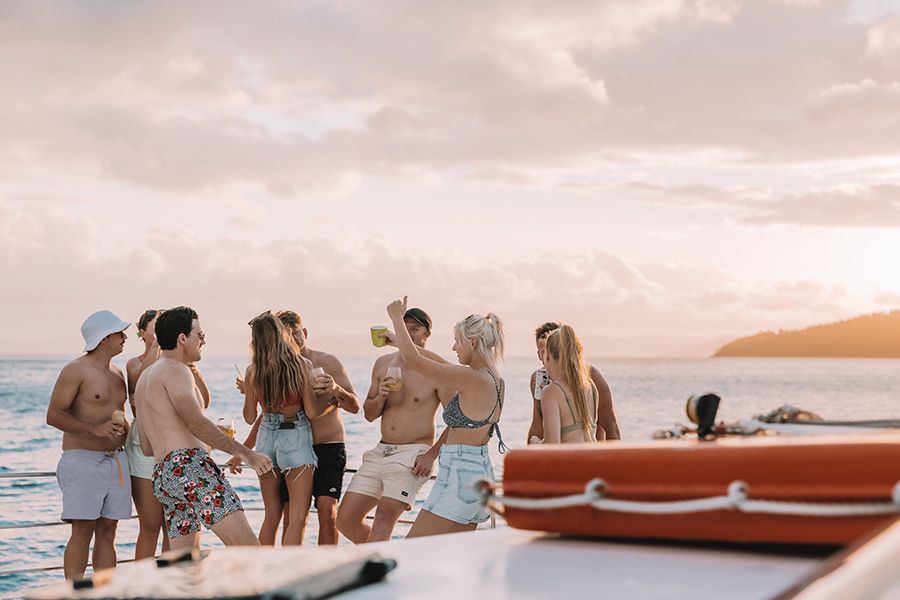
(737, 498)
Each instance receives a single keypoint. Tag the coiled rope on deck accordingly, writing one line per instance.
(736, 498)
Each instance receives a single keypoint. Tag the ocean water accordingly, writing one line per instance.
(649, 395)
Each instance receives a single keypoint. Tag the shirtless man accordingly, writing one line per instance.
(607, 424)
(93, 470)
(328, 430)
(188, 483)
(395, 470)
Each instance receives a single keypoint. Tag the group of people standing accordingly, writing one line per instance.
(296, 445)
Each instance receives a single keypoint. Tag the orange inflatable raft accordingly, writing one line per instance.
(857, 471)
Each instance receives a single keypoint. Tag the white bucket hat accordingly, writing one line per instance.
(98, 326)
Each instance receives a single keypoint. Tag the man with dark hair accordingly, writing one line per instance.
(395, 470)
(87, 405)
(188, 483)
(606, 411)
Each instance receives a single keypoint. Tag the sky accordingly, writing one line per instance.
(664, 175)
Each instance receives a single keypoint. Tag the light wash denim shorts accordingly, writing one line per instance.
(289, 444)
(454, 496)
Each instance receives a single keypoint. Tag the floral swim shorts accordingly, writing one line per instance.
(193, 491)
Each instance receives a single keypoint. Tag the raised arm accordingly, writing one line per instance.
(458, 377)
(64, 393)
(606, 410)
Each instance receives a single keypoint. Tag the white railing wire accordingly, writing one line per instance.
(736, 498)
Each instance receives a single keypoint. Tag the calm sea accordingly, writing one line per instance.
(649, 395)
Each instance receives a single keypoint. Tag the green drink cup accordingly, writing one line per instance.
(377, 340)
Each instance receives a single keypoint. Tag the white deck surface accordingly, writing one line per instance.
(489, 564)
(507, 563)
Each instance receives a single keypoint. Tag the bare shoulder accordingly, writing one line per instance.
(552, 395)
(116, 371)
(382, 362)
(327, 361)
(133, 363)
(599, 380)
(169, 370)
(76, 370)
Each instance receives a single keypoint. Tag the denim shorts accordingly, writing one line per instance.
(454, 496)
(288, 448)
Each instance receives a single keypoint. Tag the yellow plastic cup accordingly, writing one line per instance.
(377, 340)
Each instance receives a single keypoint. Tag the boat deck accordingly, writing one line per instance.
(495, 564)
(508, 563)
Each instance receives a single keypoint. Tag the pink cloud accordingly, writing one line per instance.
(341, 287)
(195, 98)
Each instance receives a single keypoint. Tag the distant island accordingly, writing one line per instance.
(869, 336)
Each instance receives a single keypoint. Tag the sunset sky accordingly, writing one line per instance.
(664, 175)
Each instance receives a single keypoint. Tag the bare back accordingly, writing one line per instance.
(408, 415)
(89, 392)
(155, 397)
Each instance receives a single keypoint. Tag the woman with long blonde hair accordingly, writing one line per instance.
(569, 403)
(278, 380)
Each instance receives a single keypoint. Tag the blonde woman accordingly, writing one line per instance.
(471, 415)
(278, 380)
(569, 402)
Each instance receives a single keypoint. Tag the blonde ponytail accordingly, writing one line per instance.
(488, 334)
(565, 347)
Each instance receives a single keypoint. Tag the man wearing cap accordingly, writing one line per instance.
(394, 471)
(87, 405)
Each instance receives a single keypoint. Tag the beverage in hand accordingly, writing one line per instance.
(118, 417)
(316, 373)
(394, 379)
(376, 330)
(226, 427)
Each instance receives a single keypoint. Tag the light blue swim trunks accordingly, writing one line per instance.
(94, 484)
